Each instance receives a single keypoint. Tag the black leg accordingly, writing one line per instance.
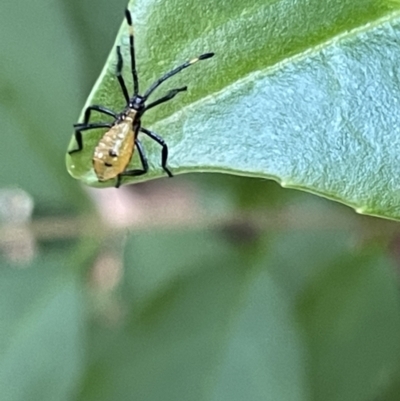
(164, 152)
(171, 94)
(100, 109)
(132, 50)
(159, 81)
(85, 127)
(119, 75)
(136, 172)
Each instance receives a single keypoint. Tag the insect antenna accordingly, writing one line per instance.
(159, 81)
(132, 50)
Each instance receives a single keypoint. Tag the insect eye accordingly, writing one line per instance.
(112, 153)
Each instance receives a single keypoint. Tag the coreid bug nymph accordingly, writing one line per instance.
(116, 147)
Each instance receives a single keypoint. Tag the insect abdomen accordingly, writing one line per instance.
(114, 151)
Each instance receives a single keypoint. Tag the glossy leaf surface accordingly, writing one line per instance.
(303, 92)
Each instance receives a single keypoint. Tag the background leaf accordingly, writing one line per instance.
(224, 324)
(41, 331)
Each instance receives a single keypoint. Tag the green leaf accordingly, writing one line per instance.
(304, 92)
(205, 319)
(41, 336)
(214, 326)
(39, 96)
(350, 315)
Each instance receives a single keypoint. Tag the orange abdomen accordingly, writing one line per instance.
(114, 151)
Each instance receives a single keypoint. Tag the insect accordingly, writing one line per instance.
(116, 147)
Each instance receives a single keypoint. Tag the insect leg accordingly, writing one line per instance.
(85, 127)
(171, 94)
(132, 50)
(100, 109)
(164, 152)
(159, 81)
(119, 75)
(136, 172)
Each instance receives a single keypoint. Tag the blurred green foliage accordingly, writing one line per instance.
(269, 294)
